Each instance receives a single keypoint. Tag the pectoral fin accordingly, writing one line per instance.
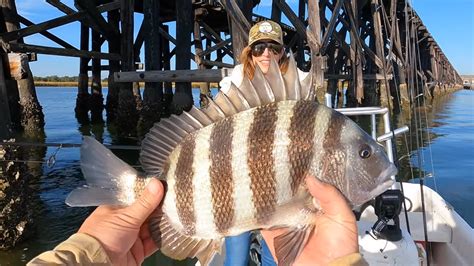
(179, 246)
(290, 244)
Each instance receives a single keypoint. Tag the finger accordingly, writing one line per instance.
(105, 209)
(329, 198)
(149, 247)
(138, 252)
(144, 231)
(148, 201)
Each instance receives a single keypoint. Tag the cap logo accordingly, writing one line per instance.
(265, 27)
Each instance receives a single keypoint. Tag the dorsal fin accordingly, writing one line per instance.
(261, 86)
(307, 92)
(275, 80)
(226, 104)
(292, 80)
(236, 97)
(262, 89)
(250, 94)
(213, 111)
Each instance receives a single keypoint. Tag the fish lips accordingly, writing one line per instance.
(384, 181)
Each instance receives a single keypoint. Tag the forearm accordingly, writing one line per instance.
(77, 249)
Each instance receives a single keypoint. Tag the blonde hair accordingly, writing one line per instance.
(249, 66)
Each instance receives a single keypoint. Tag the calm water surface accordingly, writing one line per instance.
(452, 153)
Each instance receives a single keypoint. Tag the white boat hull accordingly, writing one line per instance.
(450, 238)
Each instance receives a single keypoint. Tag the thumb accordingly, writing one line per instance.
(328, 197)
(148, 201)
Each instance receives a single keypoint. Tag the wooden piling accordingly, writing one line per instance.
(240, 12)
(204, 91)
(83, 96)
(153, 92)
(127, 114)
(96, 100)
(167, 86)
(113, 87)
(5, 116)
(32, 118)
(182, 99)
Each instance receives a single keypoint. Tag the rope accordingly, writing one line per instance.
(51, 161)
(67, 145)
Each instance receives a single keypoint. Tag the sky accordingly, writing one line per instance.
(450, 22)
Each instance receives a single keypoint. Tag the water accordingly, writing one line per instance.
(452, 150)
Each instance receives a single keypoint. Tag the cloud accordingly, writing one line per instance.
(31, 5)
(39, 10)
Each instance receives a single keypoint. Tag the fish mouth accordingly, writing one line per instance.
(384, 180)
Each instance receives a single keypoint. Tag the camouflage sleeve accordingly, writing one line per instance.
(79, 249)
(354, 259)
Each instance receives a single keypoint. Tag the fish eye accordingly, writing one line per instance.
(365, 151)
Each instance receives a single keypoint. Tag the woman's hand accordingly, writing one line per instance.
(335, 233)
(124, 232)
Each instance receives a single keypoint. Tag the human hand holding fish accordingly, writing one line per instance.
(239, 164)
(124, 231)
(335, 232)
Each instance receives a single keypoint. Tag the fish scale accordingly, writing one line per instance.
(220, 143)
(231, 169)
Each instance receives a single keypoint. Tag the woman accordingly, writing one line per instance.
(265, 44)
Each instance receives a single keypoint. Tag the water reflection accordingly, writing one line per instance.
(449, 118)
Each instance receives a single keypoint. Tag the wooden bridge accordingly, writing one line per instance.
(379, 49)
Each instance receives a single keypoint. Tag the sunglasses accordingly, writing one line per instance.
(259, 48)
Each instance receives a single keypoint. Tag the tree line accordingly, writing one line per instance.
(56, 78)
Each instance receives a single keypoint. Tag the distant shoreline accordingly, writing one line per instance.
(61, 84)
(73, 84)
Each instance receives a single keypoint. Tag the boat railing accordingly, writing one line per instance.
(373, 112)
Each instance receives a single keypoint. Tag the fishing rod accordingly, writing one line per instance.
(412, 55)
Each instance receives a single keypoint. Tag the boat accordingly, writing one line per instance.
(430, 231)
(467, 85)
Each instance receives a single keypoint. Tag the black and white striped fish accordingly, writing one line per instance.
(239, 165)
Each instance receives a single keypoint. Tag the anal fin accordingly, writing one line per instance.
(179, 246)
(290, 244)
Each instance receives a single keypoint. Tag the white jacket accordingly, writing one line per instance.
(238, 74)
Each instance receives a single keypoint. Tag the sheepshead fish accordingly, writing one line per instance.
(239, 164)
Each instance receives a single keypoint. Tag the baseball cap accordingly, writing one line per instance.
(266, 30)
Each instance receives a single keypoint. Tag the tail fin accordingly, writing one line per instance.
(109, 180)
